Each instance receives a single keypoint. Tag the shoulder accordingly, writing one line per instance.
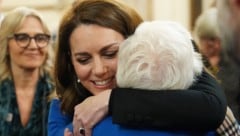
(55, 102)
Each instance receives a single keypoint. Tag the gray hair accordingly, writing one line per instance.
(159, 55)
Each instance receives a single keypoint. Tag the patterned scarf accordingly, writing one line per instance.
(10, 122)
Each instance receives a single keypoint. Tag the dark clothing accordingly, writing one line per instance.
(10, 122)
(229, 76)
(202, 106)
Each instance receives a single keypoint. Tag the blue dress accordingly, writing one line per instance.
(57, 122)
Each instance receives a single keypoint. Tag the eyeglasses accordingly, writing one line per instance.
(23, 40)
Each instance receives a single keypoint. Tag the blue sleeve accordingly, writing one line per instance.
(107, 128)
(57, 121)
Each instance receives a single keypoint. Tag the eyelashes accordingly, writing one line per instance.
(87, 58)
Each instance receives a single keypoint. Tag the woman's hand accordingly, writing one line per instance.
(67, 132)
(88, 113)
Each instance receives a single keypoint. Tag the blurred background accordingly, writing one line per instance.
(183, 11)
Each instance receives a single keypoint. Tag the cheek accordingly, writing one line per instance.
(82, 71)
(12, 51)
(114, 65)
(204, 46)
(44, 52)
(46, 58)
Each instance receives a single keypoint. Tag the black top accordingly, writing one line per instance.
(201, 107)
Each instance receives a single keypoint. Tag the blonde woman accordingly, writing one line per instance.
(25, 83)
(207, 36)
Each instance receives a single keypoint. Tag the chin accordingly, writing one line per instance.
(97, 91)
(32, 66)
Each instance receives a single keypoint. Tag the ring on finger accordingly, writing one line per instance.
(81, 130)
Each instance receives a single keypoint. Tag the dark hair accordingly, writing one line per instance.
(107, 13)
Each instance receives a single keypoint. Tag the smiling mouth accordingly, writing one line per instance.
(103, 82)
(32, 55)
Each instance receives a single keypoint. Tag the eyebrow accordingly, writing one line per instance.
(101, 51)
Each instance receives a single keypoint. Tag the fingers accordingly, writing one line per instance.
(78, 127)
(67, 132)
(89, 112)
(88, 132)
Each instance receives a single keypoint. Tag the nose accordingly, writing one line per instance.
(99, 67)
(32, 44)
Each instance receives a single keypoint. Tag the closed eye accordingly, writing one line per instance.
(110, 54)
(83, 60)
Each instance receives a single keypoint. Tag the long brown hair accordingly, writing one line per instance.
(107, 13)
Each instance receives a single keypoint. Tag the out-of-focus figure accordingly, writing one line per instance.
(25, 73)
(229, 65)
(207, 36)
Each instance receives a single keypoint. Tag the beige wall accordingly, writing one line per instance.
(207, 3)
(177, 10)
(144, 7)
(51, 10)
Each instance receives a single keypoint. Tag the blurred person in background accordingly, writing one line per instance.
(25, 73)
(207, 37)
(229, 65)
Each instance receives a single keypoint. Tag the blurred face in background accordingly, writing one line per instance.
(94, 56)
(209, 47)
(27, 47)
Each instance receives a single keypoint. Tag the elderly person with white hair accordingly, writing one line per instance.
(159, 55)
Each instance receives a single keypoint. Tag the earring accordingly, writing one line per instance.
(78, 81)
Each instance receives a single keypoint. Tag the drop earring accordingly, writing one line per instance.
(78, 81)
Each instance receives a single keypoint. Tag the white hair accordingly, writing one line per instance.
(159, 55)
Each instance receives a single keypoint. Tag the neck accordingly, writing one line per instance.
(214, 60)
(25, 79)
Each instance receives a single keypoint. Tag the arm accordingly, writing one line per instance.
(202, 106)
(57, 121)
